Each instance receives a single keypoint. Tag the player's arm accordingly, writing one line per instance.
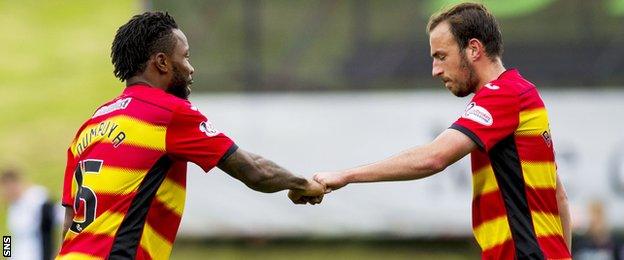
(564, 213)
(415, 163)
(263, 175)
(69, 218)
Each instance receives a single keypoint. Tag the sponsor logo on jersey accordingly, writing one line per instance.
(478, 114)
(208, 129)
(117, 105)
(547, 139)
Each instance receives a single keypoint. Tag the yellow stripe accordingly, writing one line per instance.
(540, 174)
(546, 224)
(143, 134)
(69, 236)
(484, 181)
(114, 180)
(533, 122)
(157, 246)
(172, 195)
(137, 132)
(77, 256)
(105, 224)
(492, 233)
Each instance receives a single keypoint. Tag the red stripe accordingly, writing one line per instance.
(87, 243)
(505, 250)
(486, 207)
(534, 148)
(142, 254)
(478, 160)
(554, 247)
(140, 111)
(148, 112)
(107, 203)
(542, 200)
(177, 173)
(126, 156)
(531, 100)
(164, 221)
(114, 202)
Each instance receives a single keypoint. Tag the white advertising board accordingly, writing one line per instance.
(308, 132)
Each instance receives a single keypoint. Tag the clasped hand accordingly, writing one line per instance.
(322, 183)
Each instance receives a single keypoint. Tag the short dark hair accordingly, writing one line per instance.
(468, 21)
(141, 37)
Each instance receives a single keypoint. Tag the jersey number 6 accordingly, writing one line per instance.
(85, 194)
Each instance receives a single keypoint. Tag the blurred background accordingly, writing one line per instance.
(325, 85)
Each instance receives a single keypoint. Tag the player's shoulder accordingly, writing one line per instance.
(140, 102)
(514, 82)
(154, 96)
(509, 84)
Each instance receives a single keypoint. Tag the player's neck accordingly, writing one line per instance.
(142, 80)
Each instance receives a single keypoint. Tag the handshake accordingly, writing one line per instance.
(314, 190)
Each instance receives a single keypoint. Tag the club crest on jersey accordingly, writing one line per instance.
(478, 114)
(208, 129)
(491, 86)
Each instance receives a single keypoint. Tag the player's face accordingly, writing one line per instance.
(450, 64)
(182, 79)
(10, 191)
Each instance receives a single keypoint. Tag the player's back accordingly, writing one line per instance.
(123, 183)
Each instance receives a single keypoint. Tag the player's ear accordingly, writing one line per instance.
(475, 49)
(161, 62)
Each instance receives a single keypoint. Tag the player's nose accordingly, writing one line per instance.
(436, 71)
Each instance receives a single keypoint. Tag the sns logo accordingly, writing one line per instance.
(478, 114)
(6, 246)
(208, 129)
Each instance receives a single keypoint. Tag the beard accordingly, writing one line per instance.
(469, 85)
(180, 84)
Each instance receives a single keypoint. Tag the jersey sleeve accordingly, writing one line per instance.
(491, 116)
(68, 196)
(191, 137)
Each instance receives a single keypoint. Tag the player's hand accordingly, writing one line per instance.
(331, 180)
(313, 193)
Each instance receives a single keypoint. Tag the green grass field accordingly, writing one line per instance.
(332, 249)
(55, 69)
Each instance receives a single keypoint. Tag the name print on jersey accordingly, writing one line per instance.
(106, 130)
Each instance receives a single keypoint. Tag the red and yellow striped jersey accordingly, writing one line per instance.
(514, 207)
(126, 174)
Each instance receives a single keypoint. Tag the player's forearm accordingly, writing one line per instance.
(415, 163)
(564, 213)
(272, 177)
(69, 218)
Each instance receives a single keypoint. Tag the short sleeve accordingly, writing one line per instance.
(192, 137)
(68, 197)
(491, 116)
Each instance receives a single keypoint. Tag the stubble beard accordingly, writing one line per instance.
(469, 85)
(180, 85)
